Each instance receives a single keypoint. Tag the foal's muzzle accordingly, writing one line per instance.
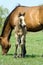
(24, 26)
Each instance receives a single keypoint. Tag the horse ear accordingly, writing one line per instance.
(24, 14)
(19, 15)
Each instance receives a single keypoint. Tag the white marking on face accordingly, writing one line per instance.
(23, 21)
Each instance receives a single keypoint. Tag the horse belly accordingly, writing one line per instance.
(34, 19)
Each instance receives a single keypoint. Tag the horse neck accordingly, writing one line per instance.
(10, 34)
(18, 27)
(6, 31)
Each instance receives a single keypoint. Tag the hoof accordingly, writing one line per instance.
(22, 56)
(19, 56)
(15, 55)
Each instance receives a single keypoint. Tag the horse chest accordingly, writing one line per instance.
(18, 31)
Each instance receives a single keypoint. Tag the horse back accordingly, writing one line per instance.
(33, 16)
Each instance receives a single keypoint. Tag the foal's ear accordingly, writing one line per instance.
(24, 14)
(19, 15)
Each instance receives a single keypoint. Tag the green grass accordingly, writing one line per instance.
(34, 47)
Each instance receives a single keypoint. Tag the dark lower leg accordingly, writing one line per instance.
(16, 46)
(23, 51)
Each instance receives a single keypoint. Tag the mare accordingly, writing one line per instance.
(33, 19)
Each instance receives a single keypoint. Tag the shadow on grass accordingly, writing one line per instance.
(28, 56)
(32, 56)
(9, 54)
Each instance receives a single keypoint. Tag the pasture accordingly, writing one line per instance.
(34, 47)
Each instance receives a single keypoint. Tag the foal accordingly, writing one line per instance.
(20, 34)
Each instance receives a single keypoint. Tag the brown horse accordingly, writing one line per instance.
(33, 19)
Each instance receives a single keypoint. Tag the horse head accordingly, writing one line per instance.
(22, 20)
(5, 45)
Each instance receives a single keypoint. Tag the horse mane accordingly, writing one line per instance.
(10, 34)
(6, 21)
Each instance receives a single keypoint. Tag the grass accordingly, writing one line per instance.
(34, 47)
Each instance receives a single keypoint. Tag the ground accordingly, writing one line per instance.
(34, 47)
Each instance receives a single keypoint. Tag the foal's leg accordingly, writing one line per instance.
(23, 49)
(16, 45)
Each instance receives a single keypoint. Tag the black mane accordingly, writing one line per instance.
(6, 21)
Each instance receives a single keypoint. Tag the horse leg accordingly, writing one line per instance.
(16, 46)
(23, 49)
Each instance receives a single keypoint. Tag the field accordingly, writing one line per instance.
(34, 47)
